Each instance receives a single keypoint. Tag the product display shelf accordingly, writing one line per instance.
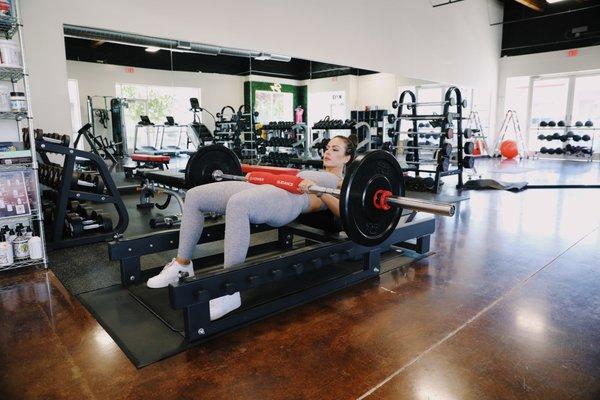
(9, 26)
(11, 74)
(21, 263)
(13, 115)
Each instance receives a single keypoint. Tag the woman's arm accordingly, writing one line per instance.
(332, 202)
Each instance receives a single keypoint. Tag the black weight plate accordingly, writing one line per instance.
(208, 159)
(369, 172)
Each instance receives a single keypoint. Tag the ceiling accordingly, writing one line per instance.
(564, 25)
(105, 52)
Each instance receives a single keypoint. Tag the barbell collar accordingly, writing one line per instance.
(445, 209)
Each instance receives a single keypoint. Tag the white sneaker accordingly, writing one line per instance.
(170, 274)
(224, 305)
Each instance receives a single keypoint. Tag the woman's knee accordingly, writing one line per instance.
(238, 203)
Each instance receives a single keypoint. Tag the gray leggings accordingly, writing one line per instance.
(242, 203)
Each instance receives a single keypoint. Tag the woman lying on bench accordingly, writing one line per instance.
(244, 203)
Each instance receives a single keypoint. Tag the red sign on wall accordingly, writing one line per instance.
(573, 53)
(129, 70)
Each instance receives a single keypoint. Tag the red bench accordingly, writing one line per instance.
(150, 158)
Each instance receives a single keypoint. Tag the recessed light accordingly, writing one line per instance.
(152, 49)
(553, 1)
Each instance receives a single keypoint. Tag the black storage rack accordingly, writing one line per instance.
(446, 122)
(65, 193)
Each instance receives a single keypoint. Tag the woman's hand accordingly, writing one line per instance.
(305, 184)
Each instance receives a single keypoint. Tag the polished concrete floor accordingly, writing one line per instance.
(507, 308)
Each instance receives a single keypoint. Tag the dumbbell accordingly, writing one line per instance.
(63, 140)
(589, 123)
(448, 133)
(87, 182)
(438, 158)
(551, 123)
(84, 211)
(544, 150)
(468, 162)
(78, 226)
(444, 150)
(73, 205)
(72, 216)
(586, 138)
(468, 133)
(541, 137)
(561, 123)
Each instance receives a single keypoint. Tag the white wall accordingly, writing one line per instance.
(379, 90)
(447, 44)
(553, 62)
(217, 90)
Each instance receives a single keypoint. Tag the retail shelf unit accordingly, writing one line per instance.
(11, 27)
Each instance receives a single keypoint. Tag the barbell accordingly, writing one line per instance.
(451, 102)
(371, 195)
(448, 118)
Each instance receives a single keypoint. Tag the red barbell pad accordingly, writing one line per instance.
(291, 183)
(149, 157)
(247, 168)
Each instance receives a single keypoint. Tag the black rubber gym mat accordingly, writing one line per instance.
(141, 336)
(484, 184)
(143, 324)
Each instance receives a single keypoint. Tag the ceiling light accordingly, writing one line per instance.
(553, 1)
(152, 49)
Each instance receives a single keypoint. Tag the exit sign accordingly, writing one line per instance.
(129, 70)
(573, 53)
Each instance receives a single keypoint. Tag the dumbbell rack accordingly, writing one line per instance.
(446, 120)
(564, 156)
(289, 131)
(56, 238)
(376, 128)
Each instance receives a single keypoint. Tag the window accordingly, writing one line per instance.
(156, 102)
(586, 100)
(274, 106)
(516, 97)
(322, 104)
(549, 100)
(75, 107)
